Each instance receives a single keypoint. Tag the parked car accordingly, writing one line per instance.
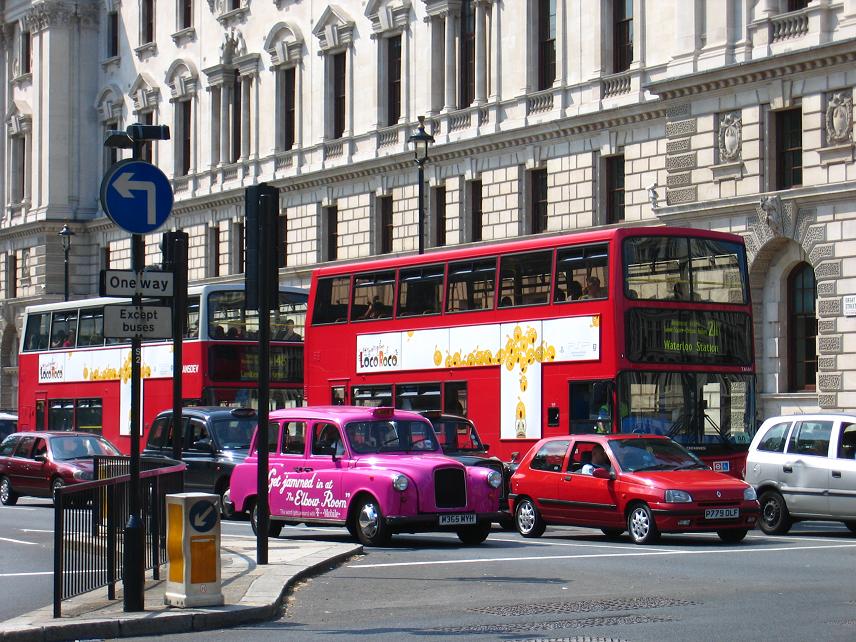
(8, 424)
(803, 467)
(215, 439)
(35, 463)
(376, 471)
(460, 440)
(644, 484)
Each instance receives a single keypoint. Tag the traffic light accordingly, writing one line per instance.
(261, 268)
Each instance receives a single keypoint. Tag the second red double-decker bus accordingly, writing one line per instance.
(645, 329)
(73, 378)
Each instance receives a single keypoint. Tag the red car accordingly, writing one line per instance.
(643, 484)
(34, 463)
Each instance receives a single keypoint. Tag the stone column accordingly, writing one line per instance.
(437, 62)
(225, 118)
(450, 66)
(246, 82)
(496, 53)
(561, 44)
(298, 105)
(481, 53)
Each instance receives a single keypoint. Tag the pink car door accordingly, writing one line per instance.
(323, 497)
(286, 468)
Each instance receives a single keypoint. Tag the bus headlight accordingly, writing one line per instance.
(494, 478)
(749, 494)
(400, 483)
(678, 497)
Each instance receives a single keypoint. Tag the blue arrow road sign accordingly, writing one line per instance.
(203, 516)
(136, 196)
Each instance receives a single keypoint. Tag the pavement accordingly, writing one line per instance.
(252, 593)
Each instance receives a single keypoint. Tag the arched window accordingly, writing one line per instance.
(802, 329)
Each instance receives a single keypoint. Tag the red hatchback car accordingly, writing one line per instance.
(643, 484)
(34, 463)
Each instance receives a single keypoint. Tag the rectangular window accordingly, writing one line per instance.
(439, 201)
(186, 14)
(332, 220)
(61, 414)
(797, 5)
(546, 43)
(471, 285)
(331, 300)
(282, 238)
(467, 80)
(19, 150)
(236, 120)
(112, 34)
(87, 416)
(91, 330)
(581, 273)
(525, 279)
(538, 204)
(37, 331)
(339, 83)
(26, 52)
(393, 81)
(147, 21)
(64, 329)
(788, 148)
(373, 296)
(614, 189)
(419, 397)
(288, 102)
(622, 25)
(12, 276)
(385, 206)
(420, 290)
(184, 122)
(214, 251)
(476, 210)
(240, 246)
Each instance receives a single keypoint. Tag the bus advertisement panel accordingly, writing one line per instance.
(73, 378)
(631, 329)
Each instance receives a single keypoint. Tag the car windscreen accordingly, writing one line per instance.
(368, 437)
(234, 433)
(637, 455)
(80, 446)
(456, 434)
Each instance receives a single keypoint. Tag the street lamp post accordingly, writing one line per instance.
(65, 234)
(421, 140)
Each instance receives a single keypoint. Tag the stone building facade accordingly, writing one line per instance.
(733, 115)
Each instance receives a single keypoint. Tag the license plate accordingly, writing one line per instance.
(721, 513)
(457, 518)
(722, 466)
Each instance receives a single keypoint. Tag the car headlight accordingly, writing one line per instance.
(400, 483)
(494, 478)
(81, 474)
(678, 497)
(749, 494)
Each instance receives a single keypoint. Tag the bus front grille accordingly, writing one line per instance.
(450, 488)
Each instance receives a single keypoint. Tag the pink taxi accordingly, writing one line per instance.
(376, 471)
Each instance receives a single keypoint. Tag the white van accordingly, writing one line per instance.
(804, 467)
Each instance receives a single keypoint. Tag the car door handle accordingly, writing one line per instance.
(306, 469)
(569, 477)
(788, 469)
(836, 474)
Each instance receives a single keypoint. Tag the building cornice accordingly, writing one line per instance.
(764, 69)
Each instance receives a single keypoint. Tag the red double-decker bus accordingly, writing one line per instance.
(645, 329)
(72, 378)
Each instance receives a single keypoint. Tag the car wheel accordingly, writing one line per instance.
(528, 519)
(732, 535)
(850, 525)
(473, 535)
(370, 524)
(775, 518)
(7, 496)
(274, 527)
(612, 532)
(641, 525)
(227, 509)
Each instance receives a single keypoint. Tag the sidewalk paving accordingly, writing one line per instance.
(252, 593)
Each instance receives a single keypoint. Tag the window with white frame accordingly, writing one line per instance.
(147, 21)
(335, 33)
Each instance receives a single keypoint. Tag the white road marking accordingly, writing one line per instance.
(17, 541)
(648, 553)
(20, 508)
(632, 547)
(26, 574)
(34, 530)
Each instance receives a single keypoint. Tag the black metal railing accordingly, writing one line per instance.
(89, 523)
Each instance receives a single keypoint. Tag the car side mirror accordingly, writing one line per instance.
(514, 456)
(204, 444)
(40, 458)
(603, 473)
(485, 446)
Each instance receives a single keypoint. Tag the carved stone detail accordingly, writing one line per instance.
(826, 364)
(730, 136)
(829, 307)
(684, 161)
(678, 111)
(829, 345)
(828, 401)
(821, 252)
(839, 117)
(826, 288)
(681, 128)
(678, 180)
(829, 382)
(678, 146)
(233, 46)
(826, 326)
(678, 196)
(828, 269)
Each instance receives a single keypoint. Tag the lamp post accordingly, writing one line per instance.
(421, 140)
(65, 234)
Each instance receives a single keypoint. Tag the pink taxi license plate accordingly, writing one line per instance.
(453, 519)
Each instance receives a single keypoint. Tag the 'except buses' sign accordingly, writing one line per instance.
(146, 322)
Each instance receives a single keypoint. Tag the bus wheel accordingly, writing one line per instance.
(473, 535)
(274, 527)
(775, 518)
(641, 526)
(370, 524)
(528, 520)
(7, 495)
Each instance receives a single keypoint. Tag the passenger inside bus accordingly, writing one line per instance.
(575, 290)
(593, 289)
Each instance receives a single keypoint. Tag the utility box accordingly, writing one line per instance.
(193, 550)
